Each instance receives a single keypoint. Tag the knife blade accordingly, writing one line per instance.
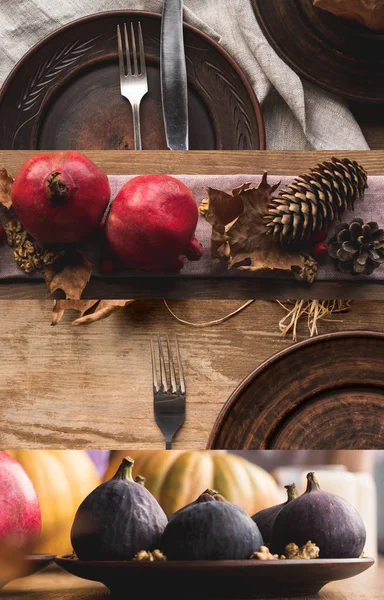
(174, 92)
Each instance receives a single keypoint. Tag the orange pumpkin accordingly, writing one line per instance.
(177, 477)
(62, 479)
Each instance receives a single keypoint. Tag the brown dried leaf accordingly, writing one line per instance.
(71, 277)
(60, 306)
(6, 182)
(90, 310)
(367, 12)
(245, 238)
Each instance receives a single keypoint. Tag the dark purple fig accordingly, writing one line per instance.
(208, 529)
(208, 495)
(265, 518)
(119, 518)
(325, 519)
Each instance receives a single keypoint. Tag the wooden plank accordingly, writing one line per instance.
(90, 387)
(120, 162)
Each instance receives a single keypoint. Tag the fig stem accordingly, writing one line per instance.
(312, 483)
(58, 191)
(291, 492)
(125, 469)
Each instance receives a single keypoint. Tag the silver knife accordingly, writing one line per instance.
(174, 93)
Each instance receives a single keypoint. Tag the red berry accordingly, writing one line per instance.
(320, 249)
(107, 266)
(320, 236)
(2, 233)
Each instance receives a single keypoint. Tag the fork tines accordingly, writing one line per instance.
(164, 386)
(125, 52)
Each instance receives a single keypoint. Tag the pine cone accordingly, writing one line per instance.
(315, 200)
(358, 247)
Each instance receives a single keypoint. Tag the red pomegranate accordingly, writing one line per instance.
(20, 516)
(60, 197)
(152, 223)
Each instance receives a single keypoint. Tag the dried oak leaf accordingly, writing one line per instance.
(239, 232)
(70, 274)
(6, 182)
(90, 310)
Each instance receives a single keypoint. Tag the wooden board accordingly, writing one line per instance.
(120, 162)
(90, 387)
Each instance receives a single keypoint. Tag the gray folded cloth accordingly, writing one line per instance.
(298, 115)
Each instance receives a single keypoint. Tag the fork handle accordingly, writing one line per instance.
(136, 125)
(168, 444)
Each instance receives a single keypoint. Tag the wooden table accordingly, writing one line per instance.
(90, 387)
(216, 162)
(58, 585)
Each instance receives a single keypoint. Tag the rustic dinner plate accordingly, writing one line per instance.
(341, 56)
(326, 392)
(65, 92)
(217, 579)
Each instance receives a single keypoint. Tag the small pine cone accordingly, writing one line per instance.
(358, 247)
(308, 272)
(315, 200)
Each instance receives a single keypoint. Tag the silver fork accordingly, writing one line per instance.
(133, 84)
(169, 399)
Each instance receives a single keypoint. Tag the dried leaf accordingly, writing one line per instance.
(60, 306)
(5, 187)
(239, 232)
(367, 12)
(90, 310)
(70, 274)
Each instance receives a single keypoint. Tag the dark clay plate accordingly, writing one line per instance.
(217, 579)
(65, 92)
(326, 392)
(341, 56)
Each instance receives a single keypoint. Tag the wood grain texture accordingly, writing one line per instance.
(216, 162)
(58, 585)
(91, 387)
(119, 162)
(299, 401)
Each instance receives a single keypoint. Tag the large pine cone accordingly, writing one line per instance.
(315, 200)
(358, 247)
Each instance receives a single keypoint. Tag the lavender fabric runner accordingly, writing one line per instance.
(371, 209)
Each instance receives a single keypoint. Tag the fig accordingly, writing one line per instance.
(117, 519)
(210, 529)
(20, 515)
(265, 518)
(208, 495)
(151, 224)
(328, 520)
(60, 197)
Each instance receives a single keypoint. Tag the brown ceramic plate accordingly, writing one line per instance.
(65, 92)
(324, 393)
(341, 56)
(217, 579)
